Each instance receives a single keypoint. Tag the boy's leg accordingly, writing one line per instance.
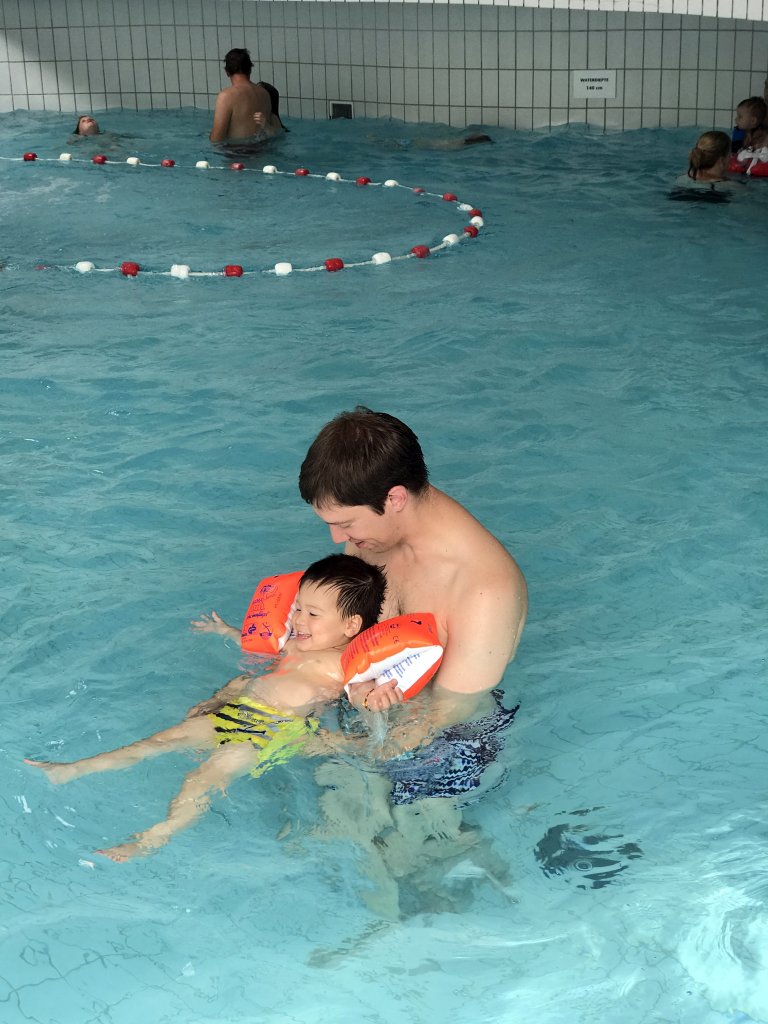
(193, 732)
(193, 799)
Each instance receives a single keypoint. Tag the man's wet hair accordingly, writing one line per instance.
(359, 586)
(358, 457)
(238, 62)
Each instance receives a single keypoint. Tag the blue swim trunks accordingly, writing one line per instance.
(451, 765)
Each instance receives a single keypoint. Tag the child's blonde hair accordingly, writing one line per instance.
(709, 149)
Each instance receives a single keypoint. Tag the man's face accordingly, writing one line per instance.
(360, 526)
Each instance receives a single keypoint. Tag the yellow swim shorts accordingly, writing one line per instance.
(277, 736)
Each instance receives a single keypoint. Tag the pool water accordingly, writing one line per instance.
(588, 376)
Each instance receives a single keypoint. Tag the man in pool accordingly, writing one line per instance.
(243, 110)
(365, 477)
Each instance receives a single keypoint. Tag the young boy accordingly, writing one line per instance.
(750, 131)
(262, 720)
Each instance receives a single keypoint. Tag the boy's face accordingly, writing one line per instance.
(317, 622)
(745, 120)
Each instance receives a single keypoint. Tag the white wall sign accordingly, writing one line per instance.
(594, 85)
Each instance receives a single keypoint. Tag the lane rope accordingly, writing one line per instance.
(182, 271)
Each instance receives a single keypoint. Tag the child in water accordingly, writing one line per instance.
(262, 720)
(750, 131)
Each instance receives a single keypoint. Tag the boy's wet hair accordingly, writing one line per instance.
(358, 457)
(756, 106)
(238, 62)
(359, 586)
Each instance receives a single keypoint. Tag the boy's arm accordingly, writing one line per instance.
(214, 623)
(234, 688)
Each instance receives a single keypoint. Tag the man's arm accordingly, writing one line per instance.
(482, 639)
(222, 115)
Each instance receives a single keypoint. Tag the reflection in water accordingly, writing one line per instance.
(572, 848)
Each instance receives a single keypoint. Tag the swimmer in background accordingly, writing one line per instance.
(87, 125)
(244, 109)
(751, 131)
(274, 97)
(707, 179)
(708, 163)
(448, 142)
(258, 721)
(89, 135)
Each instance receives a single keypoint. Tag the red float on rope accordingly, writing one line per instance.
(471, 230)
(233, 270)
(333, 264)
(420, 251)
(237, 167)
(29, 156)
(99, 159)
(449, 197)
(301, 172)
(362, 181)
(129, 269)
(419, 191)
(167, 163)
(475, 213)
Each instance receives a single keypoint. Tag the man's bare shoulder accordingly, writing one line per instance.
(474, 548)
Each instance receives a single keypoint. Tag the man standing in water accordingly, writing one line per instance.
(244, 109)
(365, 477)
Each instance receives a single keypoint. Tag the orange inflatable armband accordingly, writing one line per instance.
(267, 623)
(406, 649)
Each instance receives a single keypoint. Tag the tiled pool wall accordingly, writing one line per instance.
(455, 63)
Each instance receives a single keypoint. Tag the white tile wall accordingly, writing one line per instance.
(485, 61)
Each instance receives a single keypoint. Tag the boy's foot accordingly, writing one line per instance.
(125, 851)
(56, 772)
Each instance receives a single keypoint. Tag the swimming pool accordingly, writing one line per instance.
(588, 376)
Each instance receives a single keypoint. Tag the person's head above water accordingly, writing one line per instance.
(87, 125)
(358, 458)
(274, 99)
(751, 113)
(339, 596)
(238, 62)
(709, 157)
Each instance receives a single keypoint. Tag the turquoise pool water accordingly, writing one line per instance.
(588, 377)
